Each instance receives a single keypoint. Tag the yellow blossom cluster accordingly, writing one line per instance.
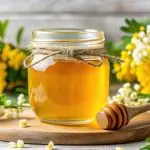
(9, 58)
(3, 75)
(13, 57)
(136, 60)
(126, 70)
(143, 76)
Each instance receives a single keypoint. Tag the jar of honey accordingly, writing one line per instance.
(68, 75)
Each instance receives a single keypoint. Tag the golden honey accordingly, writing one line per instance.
(68, 91)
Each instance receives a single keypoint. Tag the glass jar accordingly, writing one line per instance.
(68, 82)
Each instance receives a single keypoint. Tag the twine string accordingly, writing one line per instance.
(83, 55)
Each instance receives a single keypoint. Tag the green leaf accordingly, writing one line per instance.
(2, 99)
(127, 21)
(21, 90)
(23, 74)
(1, 45)
(142, 95)
(126, 39)
(125, 29)
(135, 23)
(145, 21)
(19, 35)
(145, 148)
(13, 75)
(147, 139)
(3, 28)
(131, 26)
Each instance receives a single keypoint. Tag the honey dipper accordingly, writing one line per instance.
(115, 116)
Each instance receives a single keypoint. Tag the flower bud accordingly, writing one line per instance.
(20, 144)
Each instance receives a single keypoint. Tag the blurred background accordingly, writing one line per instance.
(107, 15)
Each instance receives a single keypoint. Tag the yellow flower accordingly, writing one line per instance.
(2, 85)
(124, 54)
(143, 73)
(16, 59)
(3, 74)
(117, 67)
(5, 52)
(10, 63)
(16, 66)
(146, 89)
(130, 47)
(132, 64)
(125, 65)
(142, 28)
(133, 71)
(135, 35)
(20, 57)
(119, 75)
(3, 66)
(12, 54)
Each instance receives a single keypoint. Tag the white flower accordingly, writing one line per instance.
(20, 144)
(21, 99)
(129, 52)
(120, 148)
(8, 103)
(148, 29)
(134, 40)
(121, 90)
(137, 55)
(50, 146)
(141, 34)
(117, 98)
(124, 92)
(142, 101)
(133, 95)
(145, 53)
(137, 87)
(23, 123)
(126, 85)
(146, 40)
(140, 45)
(12, 145)
(11, 115)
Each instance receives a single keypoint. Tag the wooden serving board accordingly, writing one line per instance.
(42, 133)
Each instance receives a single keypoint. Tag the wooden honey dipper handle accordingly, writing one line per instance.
(133, 111)
(115, 116)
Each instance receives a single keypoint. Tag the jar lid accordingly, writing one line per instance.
(67, 35)
(81, 44)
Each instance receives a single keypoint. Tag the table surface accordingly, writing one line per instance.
(130, 146)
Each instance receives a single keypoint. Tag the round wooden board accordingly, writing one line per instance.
(42, 133)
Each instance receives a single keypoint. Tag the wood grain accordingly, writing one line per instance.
(42, 133)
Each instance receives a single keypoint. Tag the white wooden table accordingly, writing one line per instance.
(130, 146)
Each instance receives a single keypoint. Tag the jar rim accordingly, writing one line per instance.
(72, 35)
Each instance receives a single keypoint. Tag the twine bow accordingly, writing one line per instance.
(84, 55)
